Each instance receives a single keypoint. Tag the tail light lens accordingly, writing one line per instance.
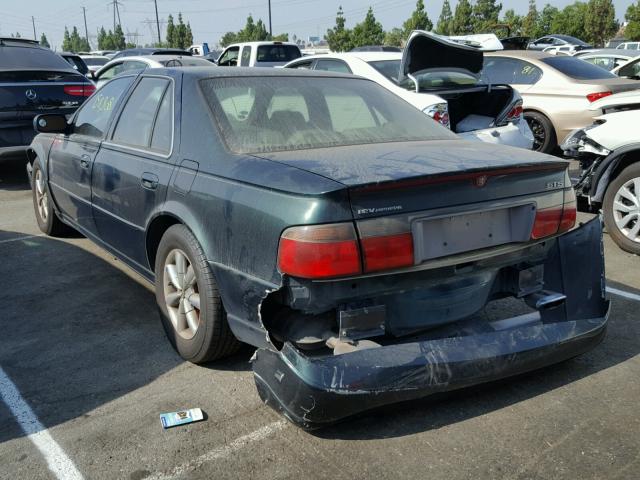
(391, 251)
(79, 90)
(320, 251)
(515, 114)
(558, 219)
(440, 113)
(592, 97)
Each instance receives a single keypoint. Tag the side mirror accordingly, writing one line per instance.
(50, 123)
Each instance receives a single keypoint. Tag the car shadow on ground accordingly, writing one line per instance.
(77, 331)
(13, 175)
(621, 343)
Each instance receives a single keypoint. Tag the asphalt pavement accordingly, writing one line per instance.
(84, 352)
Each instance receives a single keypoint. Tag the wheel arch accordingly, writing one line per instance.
(610, 168)
(154, 232)
(539, 111)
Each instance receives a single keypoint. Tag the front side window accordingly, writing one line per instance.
(93, 117)
(631, 69)
(302, 65)
(264, 114)
(230, 57)
(137, 118)
(332, 66)
(604, 62)
(245, 61)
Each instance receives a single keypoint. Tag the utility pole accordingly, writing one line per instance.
(270, 32)
(33, 22)
(157, 22)
(86, 30)
(116, 11)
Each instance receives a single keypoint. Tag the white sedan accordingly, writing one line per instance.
(123, 64)
(506, 128)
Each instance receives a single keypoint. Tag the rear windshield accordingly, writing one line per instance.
(427, 80)
(577, 68)
(95, 61)
(277, 53)
(30, 57)
(266, 114)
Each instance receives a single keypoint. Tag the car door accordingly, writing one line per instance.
(72, 155)
(229, 58)
(133, 168)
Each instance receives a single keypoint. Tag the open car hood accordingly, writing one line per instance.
(428, 51)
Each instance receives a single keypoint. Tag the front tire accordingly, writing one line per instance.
(189, 301)
(544, 135)
(48, 221)
(621, 209)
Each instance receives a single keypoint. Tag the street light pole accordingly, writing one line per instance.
(270, 31)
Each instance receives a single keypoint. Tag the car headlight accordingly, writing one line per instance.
(439, 112)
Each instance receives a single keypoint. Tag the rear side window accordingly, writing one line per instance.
(137, 118)
(163, 129)
(332, 66)
(277, 53)
(245, 60)
(578, 69)
(94, 115)
(631, 69)
(30, 57)
(388, 68)
(510, 71)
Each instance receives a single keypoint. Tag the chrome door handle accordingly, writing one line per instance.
(149, 181)
(84, 161)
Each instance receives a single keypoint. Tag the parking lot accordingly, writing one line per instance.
(83, 345)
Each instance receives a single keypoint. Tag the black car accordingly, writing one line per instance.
(319, 217)
(33, 80)
(136, 52)
(555, 40)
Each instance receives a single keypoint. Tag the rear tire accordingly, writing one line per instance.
(48, 221)
(621, 209)
(188, 299)
(544, 134)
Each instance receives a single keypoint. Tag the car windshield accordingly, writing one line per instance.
(277, 53)
(95, 61)
(570, 39)
(577, 68)
(265, 114)
(427, 80)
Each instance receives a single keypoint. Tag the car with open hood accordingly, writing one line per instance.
(328, 223)
(609, 156)
(448, 88)
(557, 91)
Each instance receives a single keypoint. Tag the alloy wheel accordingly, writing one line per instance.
(539, 135)
(626, 209)
(181, 294)
(42, 199)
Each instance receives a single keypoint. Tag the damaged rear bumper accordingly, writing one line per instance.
(313, 391)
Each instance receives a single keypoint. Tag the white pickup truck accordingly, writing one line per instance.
(258, 54)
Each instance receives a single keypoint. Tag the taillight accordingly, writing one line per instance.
(558, 219)
(439, 112)
(592, 97)
(515, 114)
(79, 90)
(387, 252)
(320, 251)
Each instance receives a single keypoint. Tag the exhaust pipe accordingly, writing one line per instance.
(545, 300)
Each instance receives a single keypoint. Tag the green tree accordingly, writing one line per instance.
(571, 20)
(228, 38)
(16, 35)
(188, 36)
(368, 32)
(67, 46)
(395, 37)
(485, 15)
(632, 15)
(462, 23)
(513, 21)
(180, 36)
(445, 20)
(530, 21)
(44, 42)
(281, 37)
(119, 42)
(419, 20)
(600, 21)
(339, 38)
(171, 32)
(546, 21)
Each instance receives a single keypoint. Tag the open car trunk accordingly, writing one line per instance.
(451, 70)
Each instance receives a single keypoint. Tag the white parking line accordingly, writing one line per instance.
(221, 452)
(622, 293)
(21, 238)
(58, 462)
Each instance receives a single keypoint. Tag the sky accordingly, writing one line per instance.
(210, 19)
